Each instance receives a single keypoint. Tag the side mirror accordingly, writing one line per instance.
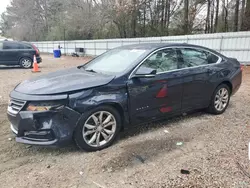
(145, 72)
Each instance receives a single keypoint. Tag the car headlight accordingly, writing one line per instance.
(44, 106)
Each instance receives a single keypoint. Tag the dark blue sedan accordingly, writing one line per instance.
(125, 86)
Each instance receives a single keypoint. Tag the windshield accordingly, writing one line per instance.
(114, 61)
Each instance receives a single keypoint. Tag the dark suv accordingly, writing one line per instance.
(18, 53)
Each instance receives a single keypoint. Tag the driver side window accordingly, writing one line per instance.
(162, 61)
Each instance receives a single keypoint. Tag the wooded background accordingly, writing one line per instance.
(34, 20)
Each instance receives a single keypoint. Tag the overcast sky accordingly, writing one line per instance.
(3, 5)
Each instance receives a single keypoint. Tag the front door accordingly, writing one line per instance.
(152, 98)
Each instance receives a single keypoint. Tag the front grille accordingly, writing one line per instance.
(15, 106)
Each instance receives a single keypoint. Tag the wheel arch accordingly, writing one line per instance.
(229, 84)
(117, 106)
(25, 57)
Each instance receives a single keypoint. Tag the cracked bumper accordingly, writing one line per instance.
(44, 128)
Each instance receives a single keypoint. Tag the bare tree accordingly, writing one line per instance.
(216, 15)
(236, 15)
(247, 16)
(207, 29)
(212, 17)
(134, 17)
(226, 16)
(186, 20)
(89, 19)
(167, 16)
(242, 14)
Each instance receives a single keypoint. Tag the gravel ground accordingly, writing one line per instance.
(214, 150)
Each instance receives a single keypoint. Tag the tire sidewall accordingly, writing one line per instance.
(20, 62)
(212, 105)
(78, 137)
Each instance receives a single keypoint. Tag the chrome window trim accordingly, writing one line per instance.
(175, 47)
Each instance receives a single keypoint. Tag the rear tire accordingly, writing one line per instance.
(220, 100)
(26, 63)
(98, 128)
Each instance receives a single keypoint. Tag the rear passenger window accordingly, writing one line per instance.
(24, 46)
(27, 47)
(10, 46)
(15, 46)
(195, 57)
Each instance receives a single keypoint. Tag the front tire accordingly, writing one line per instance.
(98, 128)
(220, 100)
(26, 63)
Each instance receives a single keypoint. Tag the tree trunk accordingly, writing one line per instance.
(247, 17)
(151, 14)
(134, 19)
(139, 32)
(186, 20)
(207, 29)
(242, 14)
(216, 15)
(89, 2)
(162, 15)
(144, 20)
(167, 16)
(46, 16)
(119, 28)
(212, 17)
(223, 15)
(236, 15)
(226, 17)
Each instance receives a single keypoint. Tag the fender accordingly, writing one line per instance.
(89, 99)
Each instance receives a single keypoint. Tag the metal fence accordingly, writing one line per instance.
(235, 44)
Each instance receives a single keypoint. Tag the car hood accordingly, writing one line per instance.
(63, 81)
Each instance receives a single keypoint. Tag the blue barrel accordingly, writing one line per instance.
(57, 53)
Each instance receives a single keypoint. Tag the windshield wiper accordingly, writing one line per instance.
(90, 70)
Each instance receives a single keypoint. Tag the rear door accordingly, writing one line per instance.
(152, 98)
(196, 65)
(11, 53)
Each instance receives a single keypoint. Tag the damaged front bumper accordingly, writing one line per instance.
(44, 128)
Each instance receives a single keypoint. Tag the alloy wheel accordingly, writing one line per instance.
(221, 99)
(26, 63)
(99, 128)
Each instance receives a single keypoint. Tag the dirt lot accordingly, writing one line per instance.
(146, 156)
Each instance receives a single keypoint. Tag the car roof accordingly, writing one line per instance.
(153, 46)
(15, 41)
(21, 42)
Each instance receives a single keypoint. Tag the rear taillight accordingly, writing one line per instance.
(241, 67)
(36, 49)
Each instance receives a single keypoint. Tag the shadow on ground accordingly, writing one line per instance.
(141, 152)
(140, 129)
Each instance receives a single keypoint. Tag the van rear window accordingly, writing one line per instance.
(15, 46)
